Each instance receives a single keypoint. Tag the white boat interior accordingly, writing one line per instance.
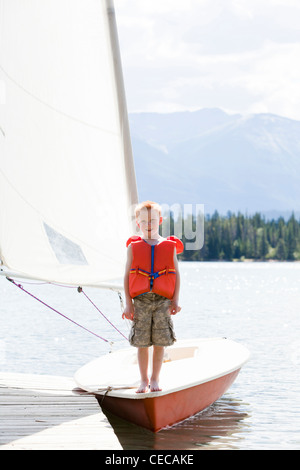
(186, 364)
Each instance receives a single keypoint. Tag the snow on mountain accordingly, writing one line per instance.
(226, 162)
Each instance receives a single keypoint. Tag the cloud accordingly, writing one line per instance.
(239, 55)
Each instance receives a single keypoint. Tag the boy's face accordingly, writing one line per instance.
(149, 221)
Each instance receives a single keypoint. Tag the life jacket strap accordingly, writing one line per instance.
(155, 275)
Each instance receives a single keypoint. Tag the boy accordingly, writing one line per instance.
(151, 285)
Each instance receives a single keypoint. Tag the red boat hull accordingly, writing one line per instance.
(157, 412)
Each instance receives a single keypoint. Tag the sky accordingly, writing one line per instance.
(242, 56)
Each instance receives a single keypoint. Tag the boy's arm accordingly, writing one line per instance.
(129, 309)
(174, 308)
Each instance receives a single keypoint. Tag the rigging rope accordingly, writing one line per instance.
(64, 316)
(81, 290)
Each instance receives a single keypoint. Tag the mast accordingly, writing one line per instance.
(121, 97)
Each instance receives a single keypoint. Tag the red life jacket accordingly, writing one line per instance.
(152, 268)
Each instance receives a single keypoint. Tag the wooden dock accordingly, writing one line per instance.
(40, 412)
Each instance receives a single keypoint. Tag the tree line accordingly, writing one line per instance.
(242, 237)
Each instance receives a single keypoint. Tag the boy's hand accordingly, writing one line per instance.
(128, 312)
(174, 307)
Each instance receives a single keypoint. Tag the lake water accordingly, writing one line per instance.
(257, 304)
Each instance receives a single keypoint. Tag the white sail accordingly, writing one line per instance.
(66, 172)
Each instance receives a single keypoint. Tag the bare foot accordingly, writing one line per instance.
(154, 387)
(143, 388)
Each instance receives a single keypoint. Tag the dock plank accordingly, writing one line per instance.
(40, 412)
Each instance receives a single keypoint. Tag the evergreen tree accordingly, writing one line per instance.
(245, 237)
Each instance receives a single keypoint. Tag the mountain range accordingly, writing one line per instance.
(226, 162)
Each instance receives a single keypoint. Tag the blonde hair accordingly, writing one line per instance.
(147, 205)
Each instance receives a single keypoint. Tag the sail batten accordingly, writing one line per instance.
(67, 180)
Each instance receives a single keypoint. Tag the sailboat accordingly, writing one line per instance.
(68, 186)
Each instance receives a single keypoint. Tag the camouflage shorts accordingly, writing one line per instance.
(152, 323)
